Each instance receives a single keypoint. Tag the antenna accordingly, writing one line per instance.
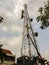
(29, 35)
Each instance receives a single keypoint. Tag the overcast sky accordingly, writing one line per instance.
(11, 28)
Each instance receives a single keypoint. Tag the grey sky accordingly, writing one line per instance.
(11, 28)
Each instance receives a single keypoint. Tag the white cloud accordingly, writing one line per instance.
(13, 44)
(12, 24)
(16, 28)
(4, 28)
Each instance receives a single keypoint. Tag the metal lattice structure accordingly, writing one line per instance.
(28, 33)
(29, 40)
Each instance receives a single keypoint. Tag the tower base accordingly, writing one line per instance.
(26, 60)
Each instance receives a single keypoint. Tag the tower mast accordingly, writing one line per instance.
(29, 40)
(25, 29)
(30, 37)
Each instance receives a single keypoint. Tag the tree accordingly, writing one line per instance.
(1, 53)
(44, 16)
(1, 19)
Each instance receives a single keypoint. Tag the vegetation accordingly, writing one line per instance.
(1, 19)
(44, 16)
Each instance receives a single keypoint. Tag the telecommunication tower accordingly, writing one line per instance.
(29, 35)
(29, 40)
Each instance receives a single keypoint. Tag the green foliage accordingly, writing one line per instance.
(44, 16)
(1, 19)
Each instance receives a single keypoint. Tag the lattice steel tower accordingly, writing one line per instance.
(28, 38)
